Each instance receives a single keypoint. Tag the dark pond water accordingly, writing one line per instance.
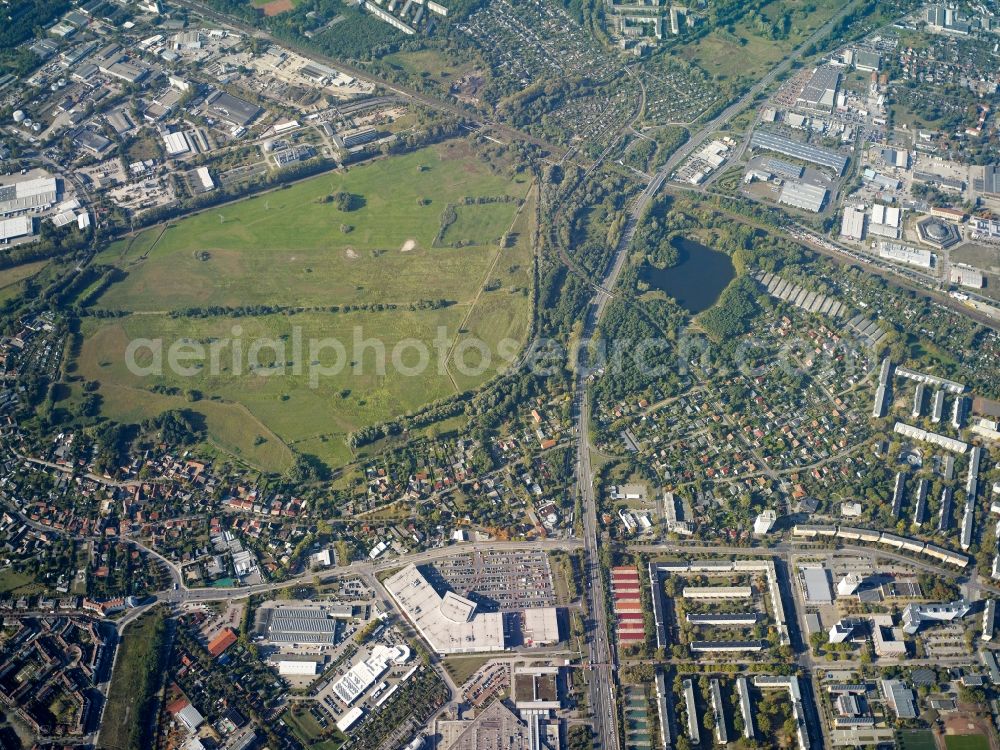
(698, 278)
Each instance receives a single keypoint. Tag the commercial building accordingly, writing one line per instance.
(888, 641)
(350, 718)
(803, 195)
(352, 138)
(301, 625)
(360, 677)
(449, 623)
(817, 585)
(900, 253)
(541, 626)
(770, 141)
(845, 629)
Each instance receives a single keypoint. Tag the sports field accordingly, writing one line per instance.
(915, 739)
(966, 742)
(385, 280)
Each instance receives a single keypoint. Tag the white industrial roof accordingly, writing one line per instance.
(16, 227)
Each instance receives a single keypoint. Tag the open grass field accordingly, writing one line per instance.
(309, 732)
(12, 581)
(133, 685)
(461, 668)
(12, 279)
(916, 739)
(747, 50)
(966, 742)
(286, 250)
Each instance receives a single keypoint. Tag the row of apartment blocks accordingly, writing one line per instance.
(659, 570)
(882, 537)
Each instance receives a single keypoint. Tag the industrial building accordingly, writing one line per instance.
(820, 92)
(352, 138)
(449, 623)
(852, 226)
(34, 194)
(298, 668)
(966, 276)
(914, 256)
(770, 141)
(237, 112)
(19, 226)
(803, 195)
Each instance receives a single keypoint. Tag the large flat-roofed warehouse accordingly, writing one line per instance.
(40, 192)
(449, 623)
(765, 139)
(19, 226)
(232, 109)
(301, 625)
(802, 195)
(821, 91)
(914, 256)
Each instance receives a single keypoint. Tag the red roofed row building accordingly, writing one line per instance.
(627, 594)
(221, 642)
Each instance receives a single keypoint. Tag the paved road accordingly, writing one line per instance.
(406, 92)
(747, 99)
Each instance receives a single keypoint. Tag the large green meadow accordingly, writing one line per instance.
(381, 270)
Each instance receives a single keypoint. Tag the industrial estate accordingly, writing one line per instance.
(412, 375)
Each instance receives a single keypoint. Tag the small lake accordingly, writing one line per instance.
(698, 278)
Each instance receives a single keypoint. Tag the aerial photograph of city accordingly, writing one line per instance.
(499, 374)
